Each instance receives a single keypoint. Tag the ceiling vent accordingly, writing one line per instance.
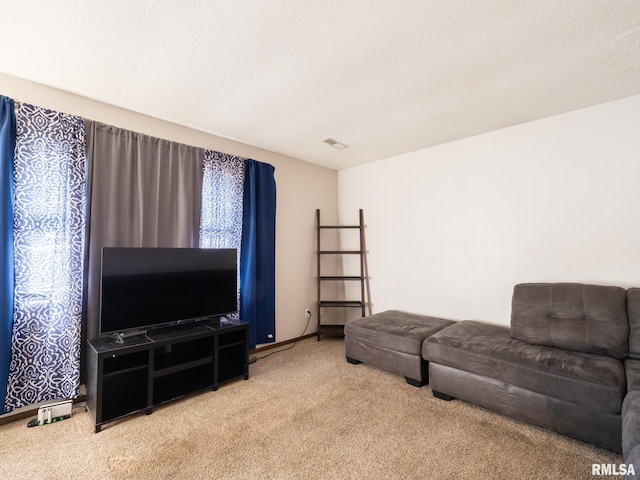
(335, 144)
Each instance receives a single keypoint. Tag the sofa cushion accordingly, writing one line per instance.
(633, 312)
(594, 381)
(578, 317)
(395, 330)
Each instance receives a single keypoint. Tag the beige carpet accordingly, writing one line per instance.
(304, 413)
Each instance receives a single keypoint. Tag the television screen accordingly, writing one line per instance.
(142, 288)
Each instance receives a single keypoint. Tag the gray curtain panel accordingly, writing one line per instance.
(142, 192)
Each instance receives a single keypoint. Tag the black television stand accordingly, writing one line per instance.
(180, 330)
(119, 337)
(147, 370)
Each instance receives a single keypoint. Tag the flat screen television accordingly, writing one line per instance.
(146, 288)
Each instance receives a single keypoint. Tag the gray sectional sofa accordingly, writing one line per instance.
(392, 340)
(560, 365)
(569, 362)
(631, 404)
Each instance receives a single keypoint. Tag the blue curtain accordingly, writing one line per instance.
(258, 252)
(7, 145)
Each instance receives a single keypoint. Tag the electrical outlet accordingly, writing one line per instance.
(307, 312)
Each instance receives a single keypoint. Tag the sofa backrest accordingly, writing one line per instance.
(572, 316)
(633, 311)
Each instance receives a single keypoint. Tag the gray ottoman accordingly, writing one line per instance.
(392, 341)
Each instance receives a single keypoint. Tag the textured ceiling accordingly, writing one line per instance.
(383, 77)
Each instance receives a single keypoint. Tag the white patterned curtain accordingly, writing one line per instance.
(49, 223)
(222, 188)
(222, 197)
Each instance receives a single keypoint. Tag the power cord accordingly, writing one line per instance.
(288, 348)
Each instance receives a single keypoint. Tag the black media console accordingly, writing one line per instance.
(147, 370)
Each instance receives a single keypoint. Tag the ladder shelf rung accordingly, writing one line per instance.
(339, 278)
(339, 226)
(341, 303)
(331, 326)
(328, 329)
(346, 252)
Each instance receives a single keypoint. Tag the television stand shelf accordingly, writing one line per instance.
(147, 370)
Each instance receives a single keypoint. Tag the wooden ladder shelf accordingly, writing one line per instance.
(330, 329)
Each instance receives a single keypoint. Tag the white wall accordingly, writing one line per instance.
(301, 188)
(451, 229)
